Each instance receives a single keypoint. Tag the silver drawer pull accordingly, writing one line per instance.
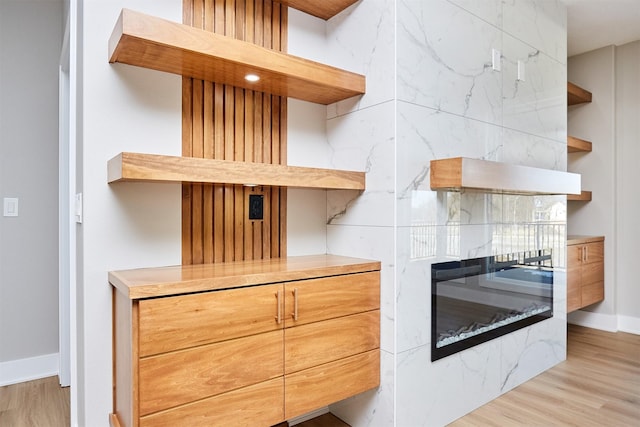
(295, 304)
(279, 309)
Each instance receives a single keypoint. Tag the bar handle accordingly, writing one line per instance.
(279, 309)
(586, 253)
(295, 304)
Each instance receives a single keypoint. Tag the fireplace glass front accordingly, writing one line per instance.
(479, 299)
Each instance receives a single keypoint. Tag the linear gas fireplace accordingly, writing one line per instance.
(477, 300)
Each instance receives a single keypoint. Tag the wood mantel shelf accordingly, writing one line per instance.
(577, 95)
(584, 196)
(459, 173)
(158, 44)
(577, 145)
(158, 168)
(324, 9)
(182, 279)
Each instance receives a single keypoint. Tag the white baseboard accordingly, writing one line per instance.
(629, 324)
(605, 322)
(32, 368)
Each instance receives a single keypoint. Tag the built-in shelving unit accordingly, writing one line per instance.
(324, 9)
(577, 145)
(459, 173)
(577, 95)
(584, 196)
(159, 168)
(158, 44)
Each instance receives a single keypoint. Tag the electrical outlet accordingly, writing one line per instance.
(256, 208)
(10, 206)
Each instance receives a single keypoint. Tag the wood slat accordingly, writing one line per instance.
(584, 196)
(158, 44)
(324, 9)
(577, 95)
(157, 168)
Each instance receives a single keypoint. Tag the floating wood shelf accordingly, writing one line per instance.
(577, 95)
(158, 44)
(584, 196)
(324, 9)
(577, 145)
(157, 168)
(459, 173)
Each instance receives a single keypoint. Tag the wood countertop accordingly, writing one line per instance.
(581, 240)
(181, 279)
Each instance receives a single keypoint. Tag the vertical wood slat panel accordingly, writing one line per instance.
(229, 123)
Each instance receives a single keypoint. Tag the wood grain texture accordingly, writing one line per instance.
(321, 342)
(596, 386)
(325, 9)
(125, 359)
(159, 168)
(577, 145)
(39, 403)
(173, 323)
(180, 377)
(584, 196)
(256, 405)
(314, 388)
(331, 297)
(158, 44)
(460, 173)
(175, 280)
(585, 271)
(577, 95)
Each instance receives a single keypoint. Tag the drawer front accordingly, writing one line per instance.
(257, 405)
(317, 387)
(594, 252)
(173, 379)
(592, 293)
(331, 297)
(173, 323)
(322, 342)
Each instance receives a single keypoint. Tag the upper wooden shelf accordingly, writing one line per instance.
(459, 173)
(158, 168)
(584, 196)
(158, 44)
(324, 9)
(173, 280)
(577, 145)
(577, 95)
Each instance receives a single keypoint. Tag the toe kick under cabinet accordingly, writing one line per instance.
(250, 343)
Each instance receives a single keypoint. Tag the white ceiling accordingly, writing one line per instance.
(593, 24)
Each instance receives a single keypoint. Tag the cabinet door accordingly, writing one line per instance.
(183, 321)
(593, 252)
(308, 301)
(321, 342)
(179, 377)
(574, 288)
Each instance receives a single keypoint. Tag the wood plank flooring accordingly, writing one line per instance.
(598, 385)
(39, 403)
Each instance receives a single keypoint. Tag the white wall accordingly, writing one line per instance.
(30, 42)
(123, 108)
(627, 178)
(595, 122)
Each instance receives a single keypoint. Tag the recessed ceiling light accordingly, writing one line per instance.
(252, 78)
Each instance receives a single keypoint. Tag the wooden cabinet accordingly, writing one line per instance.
(250, 349)
(585, 271)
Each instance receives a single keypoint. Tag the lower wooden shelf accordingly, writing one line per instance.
(159, 168)
(577, 145)
(584, 196)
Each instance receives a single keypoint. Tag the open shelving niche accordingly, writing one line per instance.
(575, 96)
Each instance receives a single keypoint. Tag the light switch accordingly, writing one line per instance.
(10, 206)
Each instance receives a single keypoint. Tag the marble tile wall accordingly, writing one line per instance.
(432, 93)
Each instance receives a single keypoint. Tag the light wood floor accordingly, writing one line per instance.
(40, 403)
(598, 385)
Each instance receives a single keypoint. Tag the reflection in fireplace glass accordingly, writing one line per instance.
(479, 299)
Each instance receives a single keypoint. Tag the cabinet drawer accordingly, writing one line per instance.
(330, 297)
(592, 293)
(321, 342)
(256, 405)
(180, 377)
(183, 321)
(314, 388)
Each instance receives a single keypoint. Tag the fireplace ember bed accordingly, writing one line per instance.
(479, 299)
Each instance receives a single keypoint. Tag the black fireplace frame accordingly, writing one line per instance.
(478, 266)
